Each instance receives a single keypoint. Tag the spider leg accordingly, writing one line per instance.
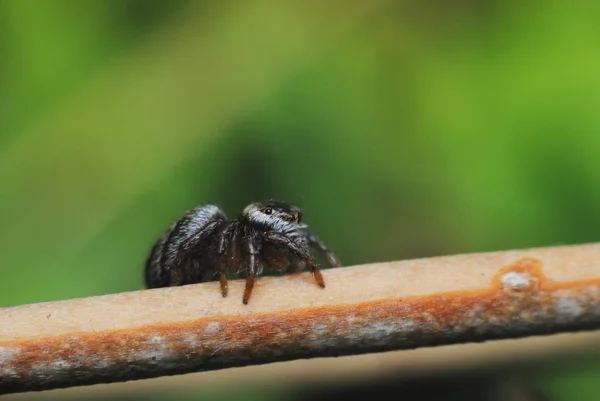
(252, 261)
(275, 257)
(221, 260)
(314, 269)
(233, 253)
(317, 244)
(301, 253)
(224, 285)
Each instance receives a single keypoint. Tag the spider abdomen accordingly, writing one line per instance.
(182, 254)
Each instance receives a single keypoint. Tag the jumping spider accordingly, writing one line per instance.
(203, 243)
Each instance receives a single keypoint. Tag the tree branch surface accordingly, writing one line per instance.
(363, 309)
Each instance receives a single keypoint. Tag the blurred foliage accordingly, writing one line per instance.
(403, 129)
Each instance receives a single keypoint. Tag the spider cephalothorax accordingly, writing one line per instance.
(203, 244)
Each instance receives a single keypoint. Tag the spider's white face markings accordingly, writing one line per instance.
(276, 220)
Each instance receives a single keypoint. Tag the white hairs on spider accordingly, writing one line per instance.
(279, 224)
(200, 216)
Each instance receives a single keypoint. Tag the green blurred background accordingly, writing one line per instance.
(403, 129)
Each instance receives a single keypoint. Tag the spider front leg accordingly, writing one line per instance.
(317, 244)
(252, 261)
(299, 252)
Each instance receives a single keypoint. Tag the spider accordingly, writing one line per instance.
(203, 244)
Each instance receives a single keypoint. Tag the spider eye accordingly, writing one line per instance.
(268, 210)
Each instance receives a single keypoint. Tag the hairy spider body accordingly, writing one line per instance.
(203, 245)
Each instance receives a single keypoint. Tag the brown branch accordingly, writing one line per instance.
(368, 308)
